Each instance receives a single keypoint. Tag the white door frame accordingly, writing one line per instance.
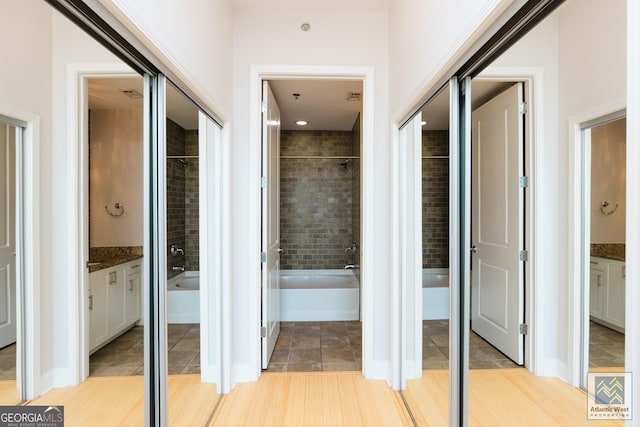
(27, 251)
(258, 73)
(78, 219)
(534, 349)
(578, 244)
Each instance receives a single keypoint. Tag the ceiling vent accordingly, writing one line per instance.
(131, 93)
(354, 96)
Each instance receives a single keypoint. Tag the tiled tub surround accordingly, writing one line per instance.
(316, 199)
(435, 198)
(110, 256)
(609, 250)
(182, 198)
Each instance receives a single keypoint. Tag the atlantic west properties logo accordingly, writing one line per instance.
(31, 416)
(609, 396)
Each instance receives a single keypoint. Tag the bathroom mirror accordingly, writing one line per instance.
(425, 156)
(46, 83)
(193, 208)
(535, 89)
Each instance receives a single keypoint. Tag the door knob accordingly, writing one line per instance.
(474, 249)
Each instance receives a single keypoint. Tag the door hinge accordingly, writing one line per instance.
(524, 329)
(264, 106)
(524, 181)
(524, 255)
(263, 332)
(263, 257)
(523, 108)
(263, 182)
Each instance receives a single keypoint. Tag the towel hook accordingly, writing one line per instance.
(118, 206)
(603, 208)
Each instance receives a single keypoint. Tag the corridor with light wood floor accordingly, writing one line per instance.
(497, 397)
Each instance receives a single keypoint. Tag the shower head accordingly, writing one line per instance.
(345, 164)
(183, 162)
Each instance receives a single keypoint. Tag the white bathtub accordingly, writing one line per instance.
(435, 293)
(319, 295)
(183, 298)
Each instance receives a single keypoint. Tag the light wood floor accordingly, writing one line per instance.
(502, 397)
(9, 394)
(498, 397)
(119, 401)
(312, 399)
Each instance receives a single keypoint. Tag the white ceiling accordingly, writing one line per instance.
(322, 103)
(314, 4)
(106, 94)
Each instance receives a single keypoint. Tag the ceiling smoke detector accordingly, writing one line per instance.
(131, 93)
(354, 96)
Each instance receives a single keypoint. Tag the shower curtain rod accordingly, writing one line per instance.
(434, 157)
(182, 157)
(319, 157)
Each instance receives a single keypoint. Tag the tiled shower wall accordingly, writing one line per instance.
(182, 198)
(316, 199)
(435, 199)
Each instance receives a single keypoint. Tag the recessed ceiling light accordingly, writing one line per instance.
(131, 93)
(301, 122)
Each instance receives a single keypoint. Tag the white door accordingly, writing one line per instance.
(7, 235)
(270, 223)
(497, 281)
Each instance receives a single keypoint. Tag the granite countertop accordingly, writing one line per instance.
(105, 257)
(615, 251)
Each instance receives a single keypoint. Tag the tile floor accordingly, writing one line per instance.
(8, 362)
(435, 349)
(318, 346)
(606, 347)
(124, 355)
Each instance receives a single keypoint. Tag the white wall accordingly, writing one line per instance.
(194, 36)
(115, 176)
(608, 182)
(337, 38)
(426, 37)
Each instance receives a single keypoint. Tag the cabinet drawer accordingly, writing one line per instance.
(135, 267)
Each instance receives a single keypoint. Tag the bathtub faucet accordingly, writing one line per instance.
(175, 250)
(350, 266)
(178, 268)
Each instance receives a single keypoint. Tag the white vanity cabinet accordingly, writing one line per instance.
(607, 292)
(114, 301)
(133, 302)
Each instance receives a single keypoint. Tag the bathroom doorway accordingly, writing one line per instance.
(317, 146)
(604, 225)
(114, 224)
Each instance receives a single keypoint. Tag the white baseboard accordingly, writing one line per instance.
(54, 378)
